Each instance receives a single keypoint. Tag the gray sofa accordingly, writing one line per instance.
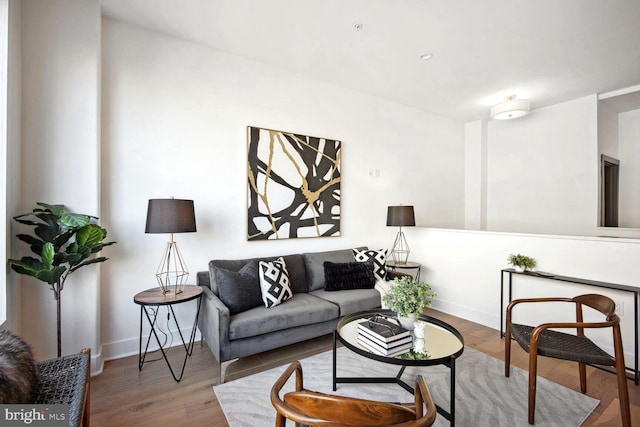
(311, 312)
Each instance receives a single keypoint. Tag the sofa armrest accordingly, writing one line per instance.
(214, 324)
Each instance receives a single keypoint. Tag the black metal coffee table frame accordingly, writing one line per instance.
(449, 361)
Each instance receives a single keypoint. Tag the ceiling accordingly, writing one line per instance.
(547, 51)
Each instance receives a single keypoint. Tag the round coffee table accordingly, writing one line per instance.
(443, 345)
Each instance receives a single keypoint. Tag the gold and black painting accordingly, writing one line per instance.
(293, 185)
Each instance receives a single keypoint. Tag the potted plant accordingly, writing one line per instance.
(521, 263)
(63, 242)
(408, 298)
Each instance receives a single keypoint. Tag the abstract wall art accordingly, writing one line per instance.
(293, 185)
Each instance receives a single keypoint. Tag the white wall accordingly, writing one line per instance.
(542, 174)
(13, 154)
(464, 268)
(60, 164)
(475, 175)
(629, 150)
(607, 130)
(174, 124)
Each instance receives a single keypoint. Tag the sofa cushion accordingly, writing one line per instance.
(340, 276)
(378, 257)
(239, 290)
(295, 267)
(274, 282)
(314, 263)
(302, 309)
(352, 300)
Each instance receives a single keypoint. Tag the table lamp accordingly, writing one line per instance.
(171, 216)
(400, 216)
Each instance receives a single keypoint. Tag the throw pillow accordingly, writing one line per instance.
(18, 370)
(239, 290)
(378, 257)
(348, 275)
(274, 282)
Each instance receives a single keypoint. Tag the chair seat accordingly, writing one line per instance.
(562, 346)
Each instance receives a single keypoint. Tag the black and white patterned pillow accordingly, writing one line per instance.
(378, 257)
(274, 282)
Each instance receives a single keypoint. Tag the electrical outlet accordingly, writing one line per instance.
(620, 308)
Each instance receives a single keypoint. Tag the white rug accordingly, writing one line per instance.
(484, 397)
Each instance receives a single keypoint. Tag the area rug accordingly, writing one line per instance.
(484, 397)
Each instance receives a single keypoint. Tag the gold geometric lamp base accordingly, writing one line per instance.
(400, 250)
(172, 274)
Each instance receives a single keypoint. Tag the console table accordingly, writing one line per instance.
(625, 288)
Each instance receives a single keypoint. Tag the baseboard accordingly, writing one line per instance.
(467, 313)
(131, 347)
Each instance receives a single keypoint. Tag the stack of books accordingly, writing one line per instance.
(383, 337)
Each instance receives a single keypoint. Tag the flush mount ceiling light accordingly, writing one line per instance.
(426, 56)
(510, 109)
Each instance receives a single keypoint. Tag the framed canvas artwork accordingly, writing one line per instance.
(293, 185)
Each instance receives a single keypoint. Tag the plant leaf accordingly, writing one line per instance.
(90, 235)
(47, 255)
(51, 276)
(91, 261)
(73, 221)
(56, 210)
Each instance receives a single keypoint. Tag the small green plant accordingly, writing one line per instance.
(407, 296)
(521, 261)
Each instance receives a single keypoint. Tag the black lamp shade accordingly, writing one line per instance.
(170, 216)
(400, 216)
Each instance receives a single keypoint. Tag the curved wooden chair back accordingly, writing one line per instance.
(603, 304)
(312, 408)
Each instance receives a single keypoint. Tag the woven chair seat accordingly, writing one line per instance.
(562, 346)
(63, 380)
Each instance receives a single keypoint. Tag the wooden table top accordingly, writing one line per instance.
(154, 296)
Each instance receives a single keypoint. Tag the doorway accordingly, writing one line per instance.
(609, 174)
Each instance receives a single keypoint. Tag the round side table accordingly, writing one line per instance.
(154, 298)
(409, 265)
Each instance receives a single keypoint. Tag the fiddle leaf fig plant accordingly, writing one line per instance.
(63, 242)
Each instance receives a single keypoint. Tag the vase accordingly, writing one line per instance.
(519, 269)
(407, 321)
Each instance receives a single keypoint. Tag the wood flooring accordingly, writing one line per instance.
(124, 396)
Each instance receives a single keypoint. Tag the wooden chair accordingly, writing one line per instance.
(541, 340)
(312, 408)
